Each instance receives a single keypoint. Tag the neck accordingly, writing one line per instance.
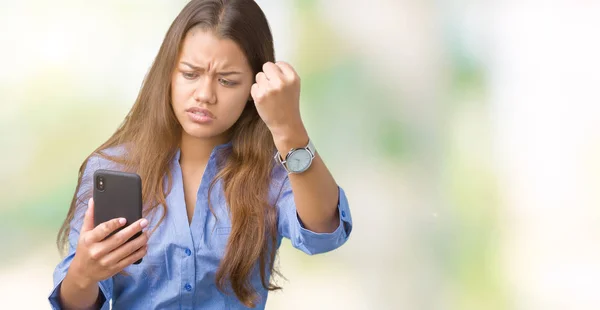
(195, 151)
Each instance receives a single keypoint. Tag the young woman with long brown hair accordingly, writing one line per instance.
(227, 169)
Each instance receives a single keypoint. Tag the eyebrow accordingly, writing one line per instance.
(202, 69)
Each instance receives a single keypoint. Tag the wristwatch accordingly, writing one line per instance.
(297, 160)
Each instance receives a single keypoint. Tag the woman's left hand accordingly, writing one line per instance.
(276, 95)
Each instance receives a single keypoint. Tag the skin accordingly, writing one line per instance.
(203, 78)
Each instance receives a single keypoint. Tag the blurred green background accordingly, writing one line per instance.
(465, 134)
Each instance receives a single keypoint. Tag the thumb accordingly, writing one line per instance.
(88, 219)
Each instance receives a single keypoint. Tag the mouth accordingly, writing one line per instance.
(200, 112)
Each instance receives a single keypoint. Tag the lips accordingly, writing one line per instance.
(201, 112)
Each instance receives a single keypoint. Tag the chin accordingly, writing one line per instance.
(202, 131)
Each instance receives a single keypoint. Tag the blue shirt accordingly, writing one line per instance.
(178, 272)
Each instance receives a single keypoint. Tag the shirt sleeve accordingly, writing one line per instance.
(309, 242)
(83, 194)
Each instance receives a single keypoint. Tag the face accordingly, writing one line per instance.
(210, 85)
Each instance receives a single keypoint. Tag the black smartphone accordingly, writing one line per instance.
(117, 194)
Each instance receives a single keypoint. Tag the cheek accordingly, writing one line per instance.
(232, 100)
(180, 92)
(231, 104)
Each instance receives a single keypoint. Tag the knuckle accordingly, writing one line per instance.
(277, 86)
(103, 263)
(95, 254)
(119, 238)
(106, 228)
(85, 239)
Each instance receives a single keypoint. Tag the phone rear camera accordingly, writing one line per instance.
(100, 183)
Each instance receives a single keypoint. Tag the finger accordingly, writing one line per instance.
(125, 234)
(262, 80)
(272, 71)
(256, 93)
(88, 218)
(125, 250)
(288, 71)
(103, 230)
(137, 255)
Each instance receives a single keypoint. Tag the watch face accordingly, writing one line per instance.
(299, 160)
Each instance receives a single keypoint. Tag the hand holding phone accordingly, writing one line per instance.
(106, 249)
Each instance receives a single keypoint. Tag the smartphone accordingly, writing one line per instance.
(117, 194)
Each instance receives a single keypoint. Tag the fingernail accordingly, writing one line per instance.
(122, 221)
(144, 223)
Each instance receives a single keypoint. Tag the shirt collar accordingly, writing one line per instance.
(218, 147)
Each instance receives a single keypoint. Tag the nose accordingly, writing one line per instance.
(205, 93)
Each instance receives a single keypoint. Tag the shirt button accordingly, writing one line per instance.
(343, 213)
(188, 252)
(188, 287)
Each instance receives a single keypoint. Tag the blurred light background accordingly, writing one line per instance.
(465, 133)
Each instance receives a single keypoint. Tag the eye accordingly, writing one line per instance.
(189, 75)
(225, 82)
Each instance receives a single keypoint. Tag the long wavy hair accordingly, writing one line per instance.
(246, 171)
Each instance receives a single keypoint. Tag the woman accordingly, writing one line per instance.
(212, 116)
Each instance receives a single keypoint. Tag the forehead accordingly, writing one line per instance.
(201, 47)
